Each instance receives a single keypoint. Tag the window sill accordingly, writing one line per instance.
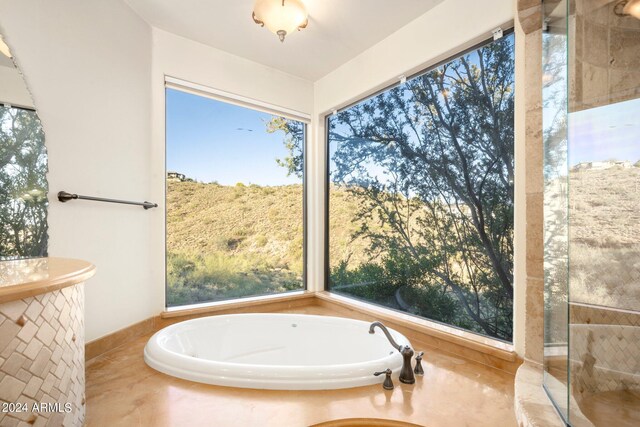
(238, 304)
(478, 343)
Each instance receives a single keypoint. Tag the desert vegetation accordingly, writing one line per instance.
(604, 237)
(232, 241)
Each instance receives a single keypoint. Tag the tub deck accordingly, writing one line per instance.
(123, 391)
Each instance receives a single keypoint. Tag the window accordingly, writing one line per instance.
(421, 194)
(23, 184)
(235, 201)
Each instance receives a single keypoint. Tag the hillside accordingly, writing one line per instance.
(242, 239)
(604, 232)
(253, 220)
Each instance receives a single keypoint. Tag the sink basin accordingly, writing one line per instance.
(365, 422)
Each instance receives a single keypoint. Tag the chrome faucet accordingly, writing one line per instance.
(406, 373)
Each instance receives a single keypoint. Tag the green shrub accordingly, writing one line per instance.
(193, 278)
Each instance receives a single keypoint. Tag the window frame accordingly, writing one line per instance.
(263, 107)
(327, 186)
(47, 203)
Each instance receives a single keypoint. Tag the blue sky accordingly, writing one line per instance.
(611, 132)
(210, 140)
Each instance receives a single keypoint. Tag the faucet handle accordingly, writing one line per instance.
(387, 384)
(418, 369)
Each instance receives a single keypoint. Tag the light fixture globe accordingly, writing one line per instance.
(281, 17)
(4, 49)
(627, 8)
(632, 7)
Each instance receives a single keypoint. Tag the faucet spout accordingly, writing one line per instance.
(387, 334)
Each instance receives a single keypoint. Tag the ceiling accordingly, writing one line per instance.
(338, 30)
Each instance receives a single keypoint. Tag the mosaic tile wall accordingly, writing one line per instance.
(605, 350)
(42, 360)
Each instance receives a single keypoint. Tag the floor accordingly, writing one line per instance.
(620, 408)
(122, 390)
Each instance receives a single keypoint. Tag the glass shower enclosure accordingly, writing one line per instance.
(591, 132)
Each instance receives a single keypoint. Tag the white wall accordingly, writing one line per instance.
(87, 64)
(442, 31)
(194, 62)
(12, 87)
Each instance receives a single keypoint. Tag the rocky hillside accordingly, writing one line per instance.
(254, 221)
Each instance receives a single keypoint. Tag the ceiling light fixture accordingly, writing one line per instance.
(281, 17)
(628, 8)
(4, 49)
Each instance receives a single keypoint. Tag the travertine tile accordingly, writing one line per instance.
(14, 309)
(33, 349)
(530, 15)
(595, 43)
(41, 362)
(534, 328)
(624, 48)
(11, 388)
(13, 364)
(27, 332)
(526, 4)
(10, 348)
(32, 387)
(45, 334)
(34, 310)
(23, 375)
(595, 86)
(8, 330)
(532, 406)
(33, 369)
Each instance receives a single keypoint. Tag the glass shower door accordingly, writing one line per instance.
(555, 99)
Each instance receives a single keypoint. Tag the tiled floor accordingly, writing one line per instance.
(123, 391)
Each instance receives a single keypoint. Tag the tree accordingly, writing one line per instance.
(556, 184)
(293, 131)
(433, 162)
(23, 184)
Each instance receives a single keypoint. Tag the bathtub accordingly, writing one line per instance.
(274, 351)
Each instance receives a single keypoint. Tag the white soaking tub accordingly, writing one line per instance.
(274, 351)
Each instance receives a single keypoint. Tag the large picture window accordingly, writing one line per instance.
(421, 196)
(235, 201)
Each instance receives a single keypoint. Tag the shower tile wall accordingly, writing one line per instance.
(604, 55)
(605, 348)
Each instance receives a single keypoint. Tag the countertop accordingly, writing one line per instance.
(25, 278)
